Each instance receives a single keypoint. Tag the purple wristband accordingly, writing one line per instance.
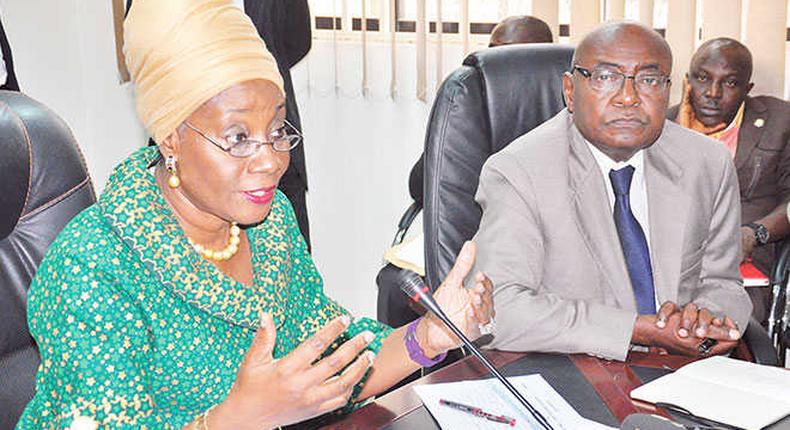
(415, 351)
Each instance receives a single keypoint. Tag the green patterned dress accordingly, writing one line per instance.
(136, 330)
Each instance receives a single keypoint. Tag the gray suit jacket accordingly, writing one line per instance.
(548, 242)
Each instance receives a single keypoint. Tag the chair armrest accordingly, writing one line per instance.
(406, 220)
(777, 310)
(781, 256)
(759, 344)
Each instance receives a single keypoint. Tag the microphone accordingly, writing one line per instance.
(414, 287)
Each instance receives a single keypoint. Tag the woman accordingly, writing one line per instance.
(185, 298)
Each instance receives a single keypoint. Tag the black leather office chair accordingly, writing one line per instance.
(500, 94)
(43, 184)
(497, 95)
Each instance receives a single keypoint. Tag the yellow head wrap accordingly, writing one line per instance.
(181, 53)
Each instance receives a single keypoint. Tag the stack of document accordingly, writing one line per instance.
(722, 389)
(491, 396)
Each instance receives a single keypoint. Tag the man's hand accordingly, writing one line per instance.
(680, 331)
(748, 243)
(646, 333)
(698, 322)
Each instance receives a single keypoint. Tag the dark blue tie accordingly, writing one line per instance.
(633, 242)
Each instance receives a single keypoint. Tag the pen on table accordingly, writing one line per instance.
(478, 412)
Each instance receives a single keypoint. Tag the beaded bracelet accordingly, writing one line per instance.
(416, 352)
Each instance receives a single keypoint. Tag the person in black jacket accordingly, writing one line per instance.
(285, 27)
(10, 81)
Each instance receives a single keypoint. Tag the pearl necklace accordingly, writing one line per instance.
(223, 254)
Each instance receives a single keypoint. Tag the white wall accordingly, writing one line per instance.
(64, 57)
(359, 155)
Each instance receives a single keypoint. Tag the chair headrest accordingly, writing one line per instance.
(522, 84)
(40, 161)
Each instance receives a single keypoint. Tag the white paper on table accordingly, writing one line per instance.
(491, 396)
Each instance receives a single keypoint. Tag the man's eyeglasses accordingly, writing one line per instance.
(607, 81)
(238, 145)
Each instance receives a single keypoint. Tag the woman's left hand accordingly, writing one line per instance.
(468, 308)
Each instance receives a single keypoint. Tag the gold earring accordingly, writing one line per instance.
(170, 164)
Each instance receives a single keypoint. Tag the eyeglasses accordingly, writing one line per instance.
(238, 145)
(608, 81)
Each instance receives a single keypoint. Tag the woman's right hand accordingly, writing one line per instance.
(269, 393)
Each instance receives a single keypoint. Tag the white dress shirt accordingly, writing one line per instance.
(638, 192)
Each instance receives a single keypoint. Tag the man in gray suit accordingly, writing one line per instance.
(606, 210)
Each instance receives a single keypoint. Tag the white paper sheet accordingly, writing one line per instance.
(491, 396)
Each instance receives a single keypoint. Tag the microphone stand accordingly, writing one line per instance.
(414, 287)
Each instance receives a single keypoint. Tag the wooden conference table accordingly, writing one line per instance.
(598, 389)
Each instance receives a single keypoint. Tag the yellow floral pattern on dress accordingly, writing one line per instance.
(136, 330)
